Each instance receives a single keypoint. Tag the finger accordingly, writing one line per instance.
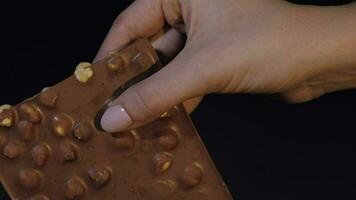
(191, 104)
(178, 81)
(143, 18)
(168, 43)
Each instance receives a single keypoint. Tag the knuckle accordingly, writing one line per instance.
(172, 12)
(119, 21)
(123, 24)
(147, 103)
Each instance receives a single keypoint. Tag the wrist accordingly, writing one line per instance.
(351, 30)
(331, 32)
(335, 54)
(322, 43)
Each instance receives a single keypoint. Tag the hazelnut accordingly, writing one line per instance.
(99, 176)
(83, 131)
(31, 113)
(124, 143)
(62, 124)
(40, 154)
(116, 63)
(192, 175)
(112, 53)
(5, 107)
(29, 178)
(68, 152)
(48, 98)
(26, 130)
(169, 139)
(12, 151)
(74, 189)
(143, 60)
(7, 116)
(162, 161)
(123, 140)
(83, 72)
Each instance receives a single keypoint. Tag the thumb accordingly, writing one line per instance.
(145, 101)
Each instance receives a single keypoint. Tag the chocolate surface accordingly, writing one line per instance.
(51, 148)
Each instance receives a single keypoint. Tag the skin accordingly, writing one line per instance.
(295, 52)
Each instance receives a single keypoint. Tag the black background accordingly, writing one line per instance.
(264, 149)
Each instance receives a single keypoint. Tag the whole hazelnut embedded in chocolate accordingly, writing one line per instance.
(74, 189)
(143, 59)
(7, 116)
(26, 130)
(48, 98)
(169, 139)
(123, 140)
(192, 175)
(99, 176)
(29, 178)
(62, 124)
(68, 152)
(83, 72)
(112, 53)
(116, 63)
(12, 151)
(162, 162)
(30, 112)
(40, 154)
(83, 131)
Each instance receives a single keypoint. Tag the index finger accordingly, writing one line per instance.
(143, 18)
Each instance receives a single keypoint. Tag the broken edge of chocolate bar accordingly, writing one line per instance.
(51, 148)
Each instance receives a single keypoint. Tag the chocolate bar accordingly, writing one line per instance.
(52, 146)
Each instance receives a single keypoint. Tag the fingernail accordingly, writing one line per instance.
(115, 119)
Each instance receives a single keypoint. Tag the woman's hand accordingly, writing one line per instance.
(233, 46)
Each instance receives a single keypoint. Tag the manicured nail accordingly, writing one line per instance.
(115, 119)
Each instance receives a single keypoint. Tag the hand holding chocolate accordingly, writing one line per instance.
(51, 147)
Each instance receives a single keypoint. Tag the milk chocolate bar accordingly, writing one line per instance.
(53, 148)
